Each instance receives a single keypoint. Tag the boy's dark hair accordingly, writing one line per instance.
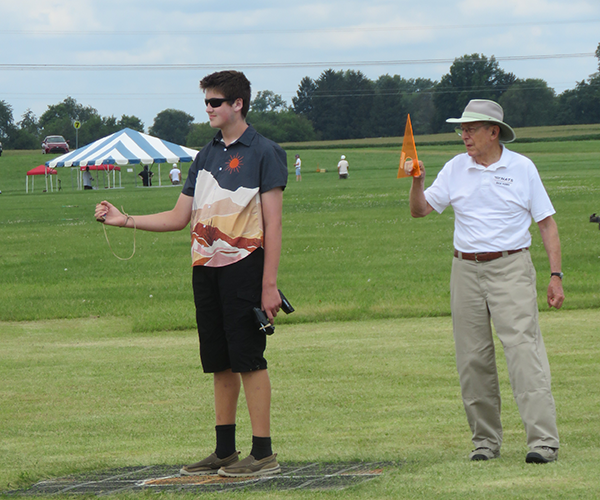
(232, 84)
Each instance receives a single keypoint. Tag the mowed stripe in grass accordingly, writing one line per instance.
(88, 394)
(350, 248)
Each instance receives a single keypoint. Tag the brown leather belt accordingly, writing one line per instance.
(485, 256)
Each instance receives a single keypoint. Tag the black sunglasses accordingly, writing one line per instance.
(216, 102)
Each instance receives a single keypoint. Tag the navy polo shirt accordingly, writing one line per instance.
(226, 183)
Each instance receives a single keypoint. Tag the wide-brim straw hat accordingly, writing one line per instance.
(483, 110)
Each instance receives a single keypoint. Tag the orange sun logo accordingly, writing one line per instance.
(234, 164)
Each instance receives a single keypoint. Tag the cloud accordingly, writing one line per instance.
(273, 31)
(541, 10)
(40, 15)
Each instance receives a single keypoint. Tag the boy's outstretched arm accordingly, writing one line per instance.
(171, 220)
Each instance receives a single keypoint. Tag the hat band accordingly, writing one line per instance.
(468, 116)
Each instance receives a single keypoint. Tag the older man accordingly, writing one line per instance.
(495, 193)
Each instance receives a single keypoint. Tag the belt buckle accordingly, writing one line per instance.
(476, 259)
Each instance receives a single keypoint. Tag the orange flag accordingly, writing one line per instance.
(409, 153)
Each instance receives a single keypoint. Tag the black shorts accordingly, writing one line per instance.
(224, 298)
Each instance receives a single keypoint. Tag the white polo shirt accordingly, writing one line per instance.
(494, 205)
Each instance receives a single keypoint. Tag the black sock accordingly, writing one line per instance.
(261, 447)
(225, 441)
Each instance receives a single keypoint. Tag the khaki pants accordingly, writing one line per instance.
(503, 290)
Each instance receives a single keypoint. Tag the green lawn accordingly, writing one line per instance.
(89, 394)
(99, 357)
(350, 248)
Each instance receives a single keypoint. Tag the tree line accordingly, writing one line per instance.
(342, 104)
(58, 119)
(347, 105)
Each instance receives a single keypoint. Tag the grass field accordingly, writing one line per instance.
(88, 394)
(99, 359)
(350, 249)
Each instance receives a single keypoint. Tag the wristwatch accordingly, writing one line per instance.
(560, 275)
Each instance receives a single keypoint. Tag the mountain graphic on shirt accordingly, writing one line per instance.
(228, 225)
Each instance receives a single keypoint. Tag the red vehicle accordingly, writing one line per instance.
(55, 144)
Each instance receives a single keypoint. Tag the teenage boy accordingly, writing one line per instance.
(232, 199)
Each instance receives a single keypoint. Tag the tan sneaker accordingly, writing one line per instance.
(210, 465)
(252, 467)
(484, 453)
(542, 455)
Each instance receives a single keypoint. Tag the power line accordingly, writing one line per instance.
(315, 64)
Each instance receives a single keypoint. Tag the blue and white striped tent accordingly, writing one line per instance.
(127, 147)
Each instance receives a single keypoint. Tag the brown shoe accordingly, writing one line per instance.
(484, 453)
(542, 455)
(252, 467)
(210, 465)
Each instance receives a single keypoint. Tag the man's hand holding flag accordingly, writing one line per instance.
(409, 161)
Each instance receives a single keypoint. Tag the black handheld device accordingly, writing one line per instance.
(262, 320)
(286, 307)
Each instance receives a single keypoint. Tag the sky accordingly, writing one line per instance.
(140, 57)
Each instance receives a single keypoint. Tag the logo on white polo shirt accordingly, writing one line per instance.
(503, 181)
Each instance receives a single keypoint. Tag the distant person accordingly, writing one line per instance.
(495, 193)
(87, 178)
(232, 200)
(343, 168)
(298, 166)
(175, 175)
(146, 176)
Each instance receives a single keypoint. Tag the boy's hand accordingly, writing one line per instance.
(109, 214)
(270, 301)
